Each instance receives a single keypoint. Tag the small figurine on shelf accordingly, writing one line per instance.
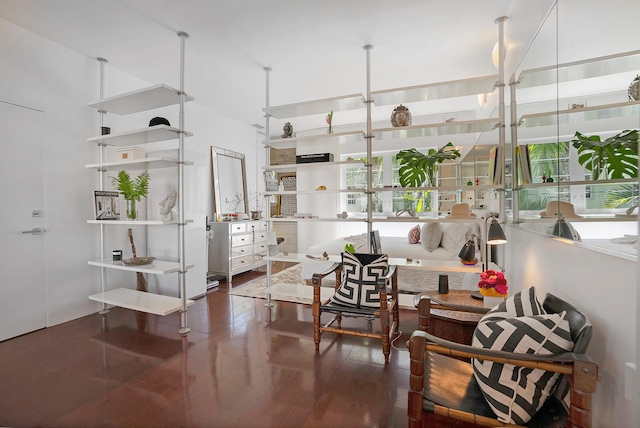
(544, 178)
(281, 186)
(288, 130)
(477, 181)
(166, 206)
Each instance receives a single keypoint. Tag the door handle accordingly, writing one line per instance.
(35, 231)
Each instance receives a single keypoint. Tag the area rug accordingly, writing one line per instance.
(410, 282)
(291, 276)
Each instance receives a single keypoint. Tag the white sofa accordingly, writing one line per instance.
(429, 247)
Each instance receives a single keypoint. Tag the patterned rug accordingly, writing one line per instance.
(291, 276)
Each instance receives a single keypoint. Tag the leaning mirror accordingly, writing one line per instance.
(229, 182)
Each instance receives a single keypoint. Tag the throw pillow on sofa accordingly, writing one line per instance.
(454, 236)
(431, 235)
(414, 234)
(516, 393)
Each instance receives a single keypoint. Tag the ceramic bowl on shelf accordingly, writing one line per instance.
(138, 261)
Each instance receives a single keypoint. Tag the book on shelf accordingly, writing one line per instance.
(495, 165)
(524, 164)
(107, 205)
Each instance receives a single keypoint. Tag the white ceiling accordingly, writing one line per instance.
(314, 48)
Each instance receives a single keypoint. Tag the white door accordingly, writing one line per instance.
(22, 237)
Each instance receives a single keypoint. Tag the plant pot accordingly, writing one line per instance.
(132, 209)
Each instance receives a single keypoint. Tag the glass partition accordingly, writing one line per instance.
(576, 126)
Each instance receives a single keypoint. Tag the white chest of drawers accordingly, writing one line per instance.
(236, 247)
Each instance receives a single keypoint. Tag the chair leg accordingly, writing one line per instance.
(316, 317)
(386, 341)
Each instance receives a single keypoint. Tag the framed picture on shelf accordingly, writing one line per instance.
(270, 181)
(107, 205)
(287, 204)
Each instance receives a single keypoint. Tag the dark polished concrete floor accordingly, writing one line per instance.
(241, 365)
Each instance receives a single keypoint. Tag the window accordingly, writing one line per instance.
(384, 173)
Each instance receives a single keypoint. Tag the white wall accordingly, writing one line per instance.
(605, 288)
(40, 74)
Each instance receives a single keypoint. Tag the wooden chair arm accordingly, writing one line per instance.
(555, 363)
(316, 278)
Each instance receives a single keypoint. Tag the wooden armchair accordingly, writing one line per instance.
(443, 391)
(364, 275)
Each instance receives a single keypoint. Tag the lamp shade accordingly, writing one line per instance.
(496, 234)
(561, 229)
(468, 251)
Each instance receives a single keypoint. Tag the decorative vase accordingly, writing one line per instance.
(132, 211)
(401, 116)
(490, 301)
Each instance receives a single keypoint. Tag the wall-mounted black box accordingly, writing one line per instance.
(315, 157)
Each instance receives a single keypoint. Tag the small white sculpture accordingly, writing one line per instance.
(167, 204)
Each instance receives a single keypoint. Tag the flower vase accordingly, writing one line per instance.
(256, 215)
(132, 210)
(490, 301)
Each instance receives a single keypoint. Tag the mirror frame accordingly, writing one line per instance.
(221, 161)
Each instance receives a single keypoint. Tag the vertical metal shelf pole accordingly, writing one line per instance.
(501, 132)
(501, 109)
(267, 157)
(368, 137)
(101, 145)
(181, 222)
(515, 186)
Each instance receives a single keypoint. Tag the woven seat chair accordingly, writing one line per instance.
(443, 391)
(366, 287)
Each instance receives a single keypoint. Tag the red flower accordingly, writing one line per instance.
(492, 280)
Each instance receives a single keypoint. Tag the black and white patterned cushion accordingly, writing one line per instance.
(519, 325)
(360, 274)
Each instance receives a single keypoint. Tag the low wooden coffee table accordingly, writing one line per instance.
(454, 325)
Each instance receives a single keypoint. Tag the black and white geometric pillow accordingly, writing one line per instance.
(359, 281)
(515, 393)
(522, 304)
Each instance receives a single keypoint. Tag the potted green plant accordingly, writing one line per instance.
(614, 157)
(133, 190)
(418, 168)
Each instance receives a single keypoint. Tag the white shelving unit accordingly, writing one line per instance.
(381, 135)
(144, 99)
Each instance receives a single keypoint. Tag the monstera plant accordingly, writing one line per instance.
(614, 157)
(418, 168)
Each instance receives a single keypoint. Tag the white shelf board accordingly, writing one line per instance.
(321, 106)
(436, 91)
(314, 192)
(310, 165)
(140, 301)
(153, 162)
(606, 111)
(463, 187)
(151, 134)
(579, 70)
(157, 267)
(140, 100)
(579, 183)
(317, 220)
(436, 129)
(340, 137)
(136, 222)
